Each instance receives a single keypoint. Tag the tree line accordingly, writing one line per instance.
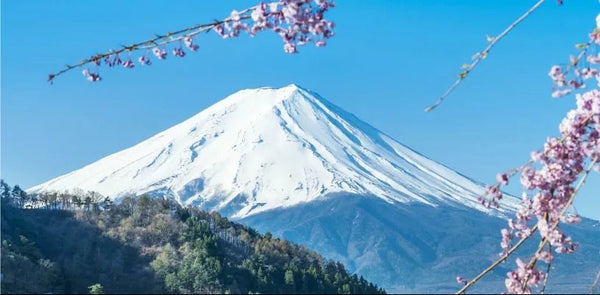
(67, 200)
(151, 245)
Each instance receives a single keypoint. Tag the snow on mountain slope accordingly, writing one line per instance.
(267, 148)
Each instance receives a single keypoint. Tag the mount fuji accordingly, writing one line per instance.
(266, 148)
(288, 161)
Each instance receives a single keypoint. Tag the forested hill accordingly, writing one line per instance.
(147, 245)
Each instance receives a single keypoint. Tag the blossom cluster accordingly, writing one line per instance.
(549, 178)
(549, 186)
(298, 22)
(520, 280)
(580, 69)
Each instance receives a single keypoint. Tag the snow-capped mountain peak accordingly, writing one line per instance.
(267, 148)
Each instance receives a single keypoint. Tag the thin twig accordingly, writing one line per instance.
(497, 262)
(547, 272)
(157, 41)
(480, 56)
(535, 255)
(574, 61)
(595, 284)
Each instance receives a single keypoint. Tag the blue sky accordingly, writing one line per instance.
(388, 61)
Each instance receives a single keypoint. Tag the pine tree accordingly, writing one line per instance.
(19, 195)
(96, 289)
(289, 280)
(5, 190)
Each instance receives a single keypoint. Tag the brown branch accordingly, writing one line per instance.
(482, 55)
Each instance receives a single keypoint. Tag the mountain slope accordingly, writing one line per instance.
(266, 148)
(146, 245)
(416, 248)
(290, 162)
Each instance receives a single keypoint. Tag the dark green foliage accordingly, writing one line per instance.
(65, 252)
(96, 289)
(148, 245)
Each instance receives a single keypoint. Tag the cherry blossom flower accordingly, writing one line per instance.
(178, 52)
(128, 64)
(159, 53)
(92, 77)
(189, 43)
(143, 60)
(461, 280)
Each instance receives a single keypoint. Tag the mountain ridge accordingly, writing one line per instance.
(235, 155)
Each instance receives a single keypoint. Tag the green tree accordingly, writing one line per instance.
(346, 289)
(4, 190)
(19, 195)
(96, 289)
(289, 280)
(167, 262)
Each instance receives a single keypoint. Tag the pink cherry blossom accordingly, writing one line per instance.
(159, 53)
(189, 43)
(92, 77)
(178, 52)
(550, 178)
(143, 60)
(128, 64)
(297, 22)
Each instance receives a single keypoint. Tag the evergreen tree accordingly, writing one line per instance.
(5, 190)
(19, 196)
(289, 279)
(96, 289)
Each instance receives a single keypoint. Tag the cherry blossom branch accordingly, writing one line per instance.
(525, 238)
(494, 191)
(158, 40)
(478, 57)
(547, 273)
(298, 22)
(559, 75)
(545, 240)
(496, 263)
(548, 179)
(595, 284)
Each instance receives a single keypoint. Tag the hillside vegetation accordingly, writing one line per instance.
(149, 245)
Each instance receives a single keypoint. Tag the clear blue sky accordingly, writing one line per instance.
(389, 60)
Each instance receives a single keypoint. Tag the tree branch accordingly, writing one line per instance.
(595, 284)
(482, 55)
(157, 41)
(533, 230)
(547, 273)
(497, 262)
